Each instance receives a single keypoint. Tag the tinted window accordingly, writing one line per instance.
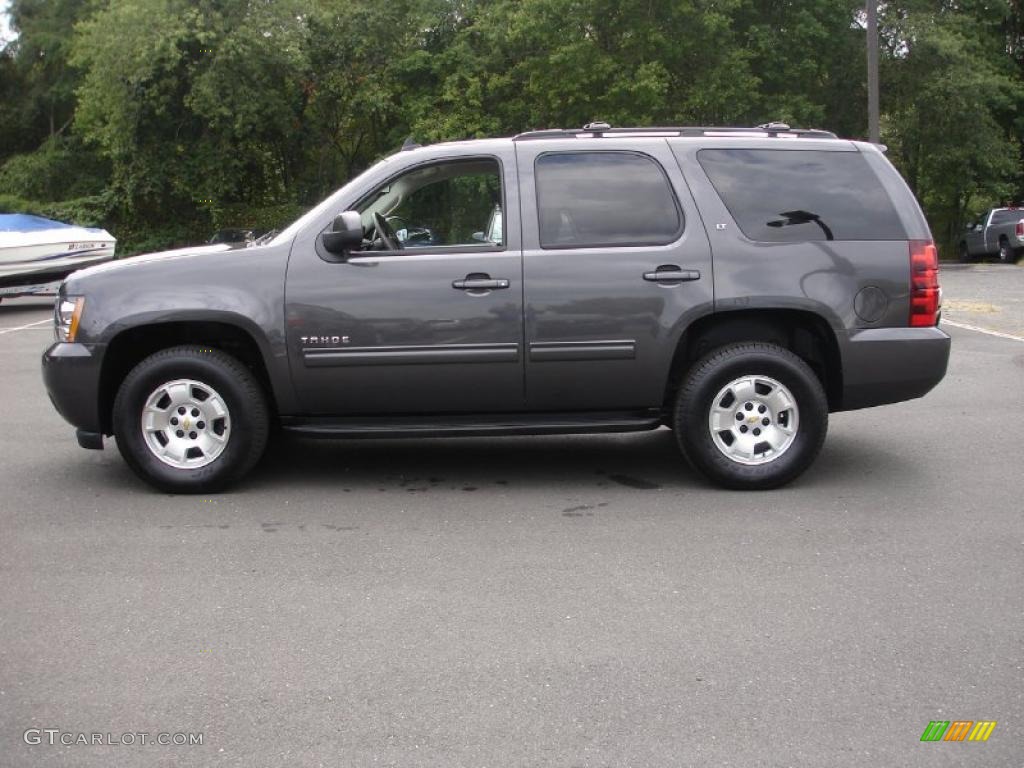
(795, 195)
(604, 198)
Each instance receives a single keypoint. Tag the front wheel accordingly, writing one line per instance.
(963, 254)
(751, 416)
(190, 420)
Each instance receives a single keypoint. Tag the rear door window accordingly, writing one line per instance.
(780, 195)
(593, 199)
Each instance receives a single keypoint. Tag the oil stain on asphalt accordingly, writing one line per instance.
(584, 510)
(634, 482)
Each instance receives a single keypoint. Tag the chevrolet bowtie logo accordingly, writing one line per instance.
(186, 423)
(751, 419)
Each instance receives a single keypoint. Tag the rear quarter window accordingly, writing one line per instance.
(783, 195)
(1003, 217)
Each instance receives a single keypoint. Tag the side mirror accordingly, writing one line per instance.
(480, 237)
(345, 234)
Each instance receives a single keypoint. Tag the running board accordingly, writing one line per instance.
(473, 425)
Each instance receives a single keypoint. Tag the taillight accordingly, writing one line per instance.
(1020, 229)
(924, 283)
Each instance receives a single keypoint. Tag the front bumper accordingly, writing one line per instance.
(71, 373)
(890, 365)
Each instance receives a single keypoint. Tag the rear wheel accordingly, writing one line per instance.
(751, 416)
(190, 420)
(1007, 255)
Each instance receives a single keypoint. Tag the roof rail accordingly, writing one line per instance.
(597, 130)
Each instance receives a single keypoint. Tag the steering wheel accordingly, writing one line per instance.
(386, 233)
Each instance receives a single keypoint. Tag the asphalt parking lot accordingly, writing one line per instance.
(556, 601)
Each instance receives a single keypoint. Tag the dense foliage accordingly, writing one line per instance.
(167, 119)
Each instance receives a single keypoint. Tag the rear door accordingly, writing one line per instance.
(615, 262)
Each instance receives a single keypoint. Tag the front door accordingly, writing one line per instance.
(426, 320)
(616, 264)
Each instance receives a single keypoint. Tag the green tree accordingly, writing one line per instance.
(175, 116)
(949, 98)
(36, 81)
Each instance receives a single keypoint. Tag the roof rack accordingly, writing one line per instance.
(597, 130)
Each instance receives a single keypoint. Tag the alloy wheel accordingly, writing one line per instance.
(753, 420)
(186, 423)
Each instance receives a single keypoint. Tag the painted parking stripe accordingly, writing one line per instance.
(25, 327)
(979, 329)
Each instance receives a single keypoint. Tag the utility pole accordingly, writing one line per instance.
(872, 12)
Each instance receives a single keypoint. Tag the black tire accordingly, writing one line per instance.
(236, 385)
(705, 380)
(964, 256)
(1007, 255)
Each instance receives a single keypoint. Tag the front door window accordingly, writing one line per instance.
(444, 204)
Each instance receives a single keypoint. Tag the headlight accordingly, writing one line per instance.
(66, 315)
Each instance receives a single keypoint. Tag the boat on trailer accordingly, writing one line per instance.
(35, 251)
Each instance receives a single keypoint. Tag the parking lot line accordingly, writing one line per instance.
(979, 329)
(26, 327)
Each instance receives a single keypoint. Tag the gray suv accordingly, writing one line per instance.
(733, 284)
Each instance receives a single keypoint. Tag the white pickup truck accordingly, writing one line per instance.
(1000, 233)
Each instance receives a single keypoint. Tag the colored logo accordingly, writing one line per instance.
(958, 730)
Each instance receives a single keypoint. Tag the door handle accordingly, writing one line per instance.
(670, 273)
(478, 281)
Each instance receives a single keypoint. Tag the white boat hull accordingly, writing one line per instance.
(41, 255)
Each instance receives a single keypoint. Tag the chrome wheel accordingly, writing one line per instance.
(186, 423)
(753, 420)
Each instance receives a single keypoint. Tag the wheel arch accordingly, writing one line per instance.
(130, 345)
(805, 333)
